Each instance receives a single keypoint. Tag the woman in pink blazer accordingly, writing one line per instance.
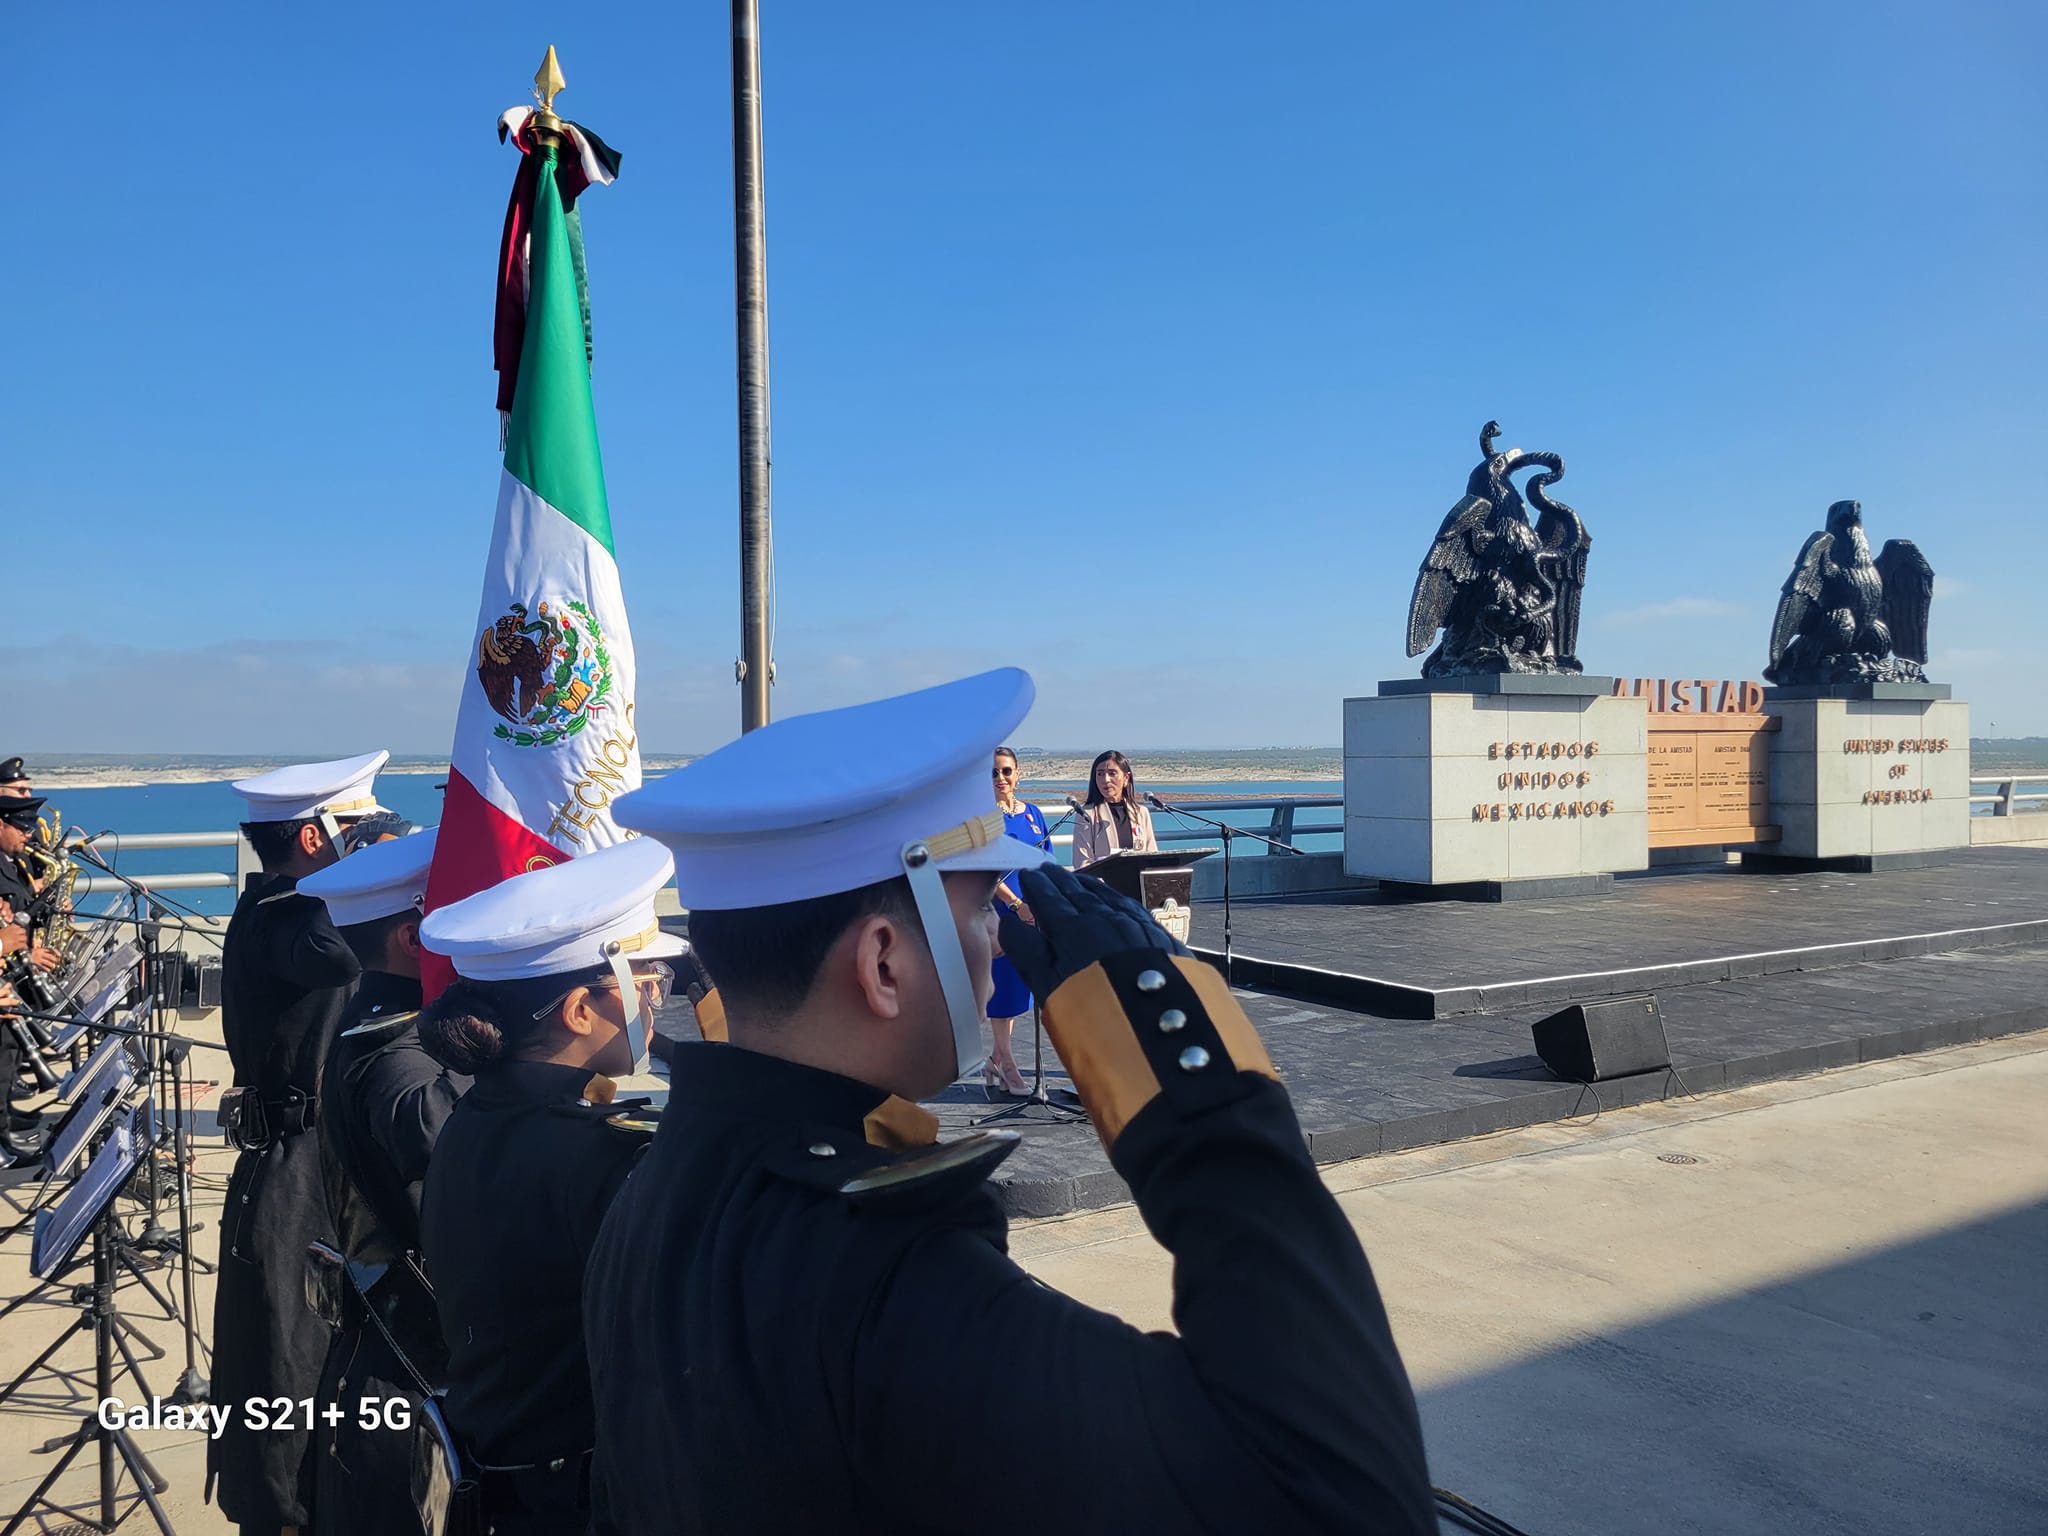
(1113, 820)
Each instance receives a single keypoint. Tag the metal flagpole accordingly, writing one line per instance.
(756, 668)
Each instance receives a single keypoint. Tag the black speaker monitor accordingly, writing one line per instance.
(1591, 1042)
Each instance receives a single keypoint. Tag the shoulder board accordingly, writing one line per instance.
(583, 1109)
(381, 1024)
(955, 1167)
(641, 1123)
(284, 895)
(850, 1168)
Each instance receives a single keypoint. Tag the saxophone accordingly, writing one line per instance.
(54, 878)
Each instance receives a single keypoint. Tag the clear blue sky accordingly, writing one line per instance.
(1143, 345)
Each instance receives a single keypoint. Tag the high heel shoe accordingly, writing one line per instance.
(1011, 1081)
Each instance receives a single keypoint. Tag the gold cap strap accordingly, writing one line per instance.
(343, 807)
(976, 832)
(633, 943)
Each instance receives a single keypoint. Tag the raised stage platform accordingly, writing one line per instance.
(1435, 960)
(1400, 1024)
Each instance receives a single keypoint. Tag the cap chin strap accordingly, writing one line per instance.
(928, 890)
(327, 818)
(638, 1025)
(333, 830)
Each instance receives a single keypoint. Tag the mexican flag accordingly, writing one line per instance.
(545, 738)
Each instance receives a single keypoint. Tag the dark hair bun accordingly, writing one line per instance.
(462, 1029)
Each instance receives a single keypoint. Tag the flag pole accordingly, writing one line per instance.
(756, 668)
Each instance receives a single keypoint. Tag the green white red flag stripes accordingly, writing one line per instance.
(545, 737)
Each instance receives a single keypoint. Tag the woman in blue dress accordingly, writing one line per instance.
(1011, 997)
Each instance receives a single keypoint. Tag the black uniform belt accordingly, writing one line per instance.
(253, 1121)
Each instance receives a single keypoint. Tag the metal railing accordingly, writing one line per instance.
(110, 845)
(1286, 818)
(1282, 821)
(1282, 824)
(2005, 796)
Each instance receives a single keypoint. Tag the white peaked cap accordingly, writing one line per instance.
(345, 787)
(562, 917)
(375, 881)
(817, 804)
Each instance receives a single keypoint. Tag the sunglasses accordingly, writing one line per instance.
(653, 978)
(1002, 773)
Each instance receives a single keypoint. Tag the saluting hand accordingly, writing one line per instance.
(1078, 920)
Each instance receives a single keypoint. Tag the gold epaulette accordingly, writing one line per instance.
(899, 1125)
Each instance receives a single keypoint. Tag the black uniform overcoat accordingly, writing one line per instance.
(794, 1331)
(286, 977)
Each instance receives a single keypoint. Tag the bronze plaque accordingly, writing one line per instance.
(1709, 780)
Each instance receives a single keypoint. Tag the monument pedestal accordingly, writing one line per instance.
(1488, 788)
(1867, 776)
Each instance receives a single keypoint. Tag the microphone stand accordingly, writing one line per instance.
(92, 858)
(1039, 1096)
(1228, 834)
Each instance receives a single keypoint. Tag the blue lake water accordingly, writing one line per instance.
(214, 807)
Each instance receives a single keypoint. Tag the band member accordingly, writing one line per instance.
(15, 788)
(19, 1143)
(558, 973)
(286, 976)
(779, 1308)
(382, 1103)
(18, 829)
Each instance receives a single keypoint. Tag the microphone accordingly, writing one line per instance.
(1077, 804)
(1153, 801)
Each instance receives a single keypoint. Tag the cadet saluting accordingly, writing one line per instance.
(382, 1103)
(285, 980)
(558, 973)
(778, 1310)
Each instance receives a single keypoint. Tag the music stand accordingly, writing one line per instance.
(102, 992)
(60, 1229)
(97, 1100)
(84, 961)
(72, 1089)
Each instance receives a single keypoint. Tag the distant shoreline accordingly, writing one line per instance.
(1159, 767)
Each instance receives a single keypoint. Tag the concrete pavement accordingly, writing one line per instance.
(1811, 1305)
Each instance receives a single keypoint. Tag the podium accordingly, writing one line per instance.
(1151, 878)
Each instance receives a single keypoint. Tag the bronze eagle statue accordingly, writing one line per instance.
(1844, 617)
(1504, 593)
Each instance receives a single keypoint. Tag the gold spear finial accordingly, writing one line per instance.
(547, 82)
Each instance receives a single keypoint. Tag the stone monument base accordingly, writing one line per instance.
(1489, 788)
(1867, 776)
(1851, 864)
